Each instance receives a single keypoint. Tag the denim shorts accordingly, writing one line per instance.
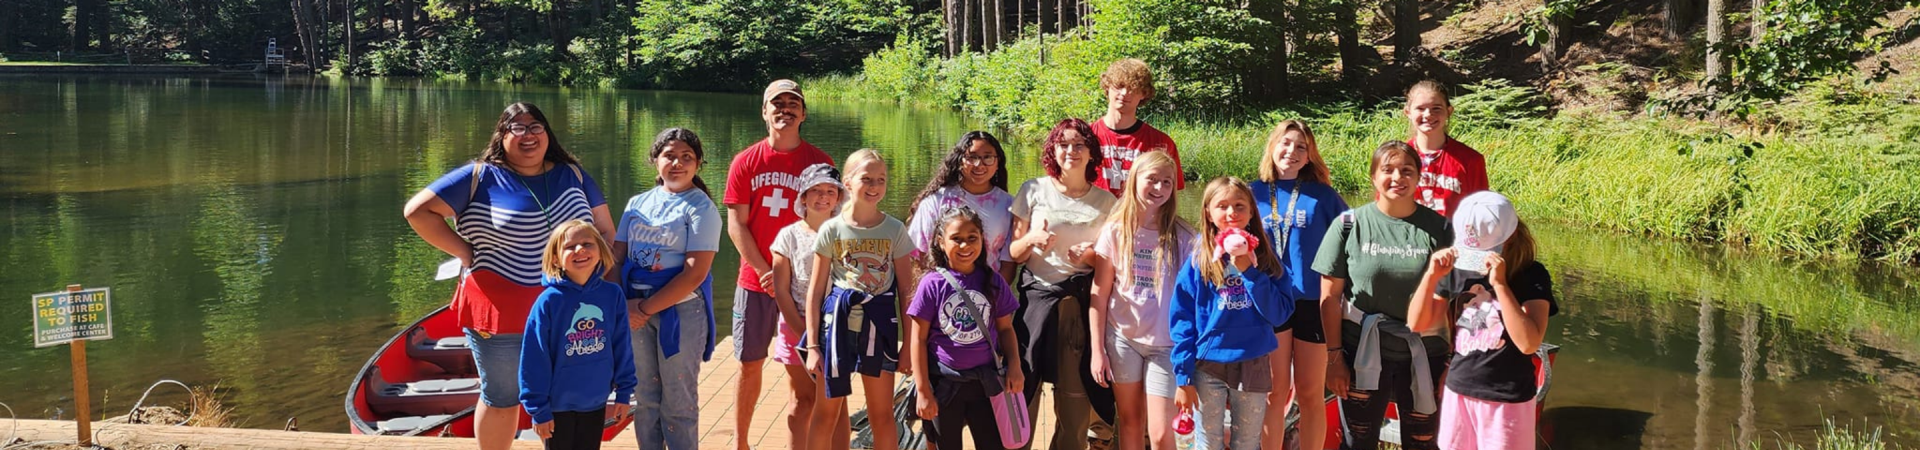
(498, 360)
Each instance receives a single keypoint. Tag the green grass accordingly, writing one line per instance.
(1835, 174)
(1837, 437)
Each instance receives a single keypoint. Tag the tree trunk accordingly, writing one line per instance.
(409, 12)
(1759, 25)
(1406, 31)
(1346, 25)
(987, 39)
(1716, 33)
(79, 34)
(348, 24)
(558, 27)
(1558, 26)
(946, 27)
(999, 22)
(303, 27)
(7, 24)
(1681, 15)
(966, 25)
(1019, 18)
(1270, 85)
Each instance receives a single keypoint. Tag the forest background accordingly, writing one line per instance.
(1776, 125)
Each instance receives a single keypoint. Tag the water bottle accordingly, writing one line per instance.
(1183, 430)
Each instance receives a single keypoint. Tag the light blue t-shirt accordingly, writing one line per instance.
(661, 226)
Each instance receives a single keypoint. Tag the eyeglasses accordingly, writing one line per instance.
(523, 130)
(980, 160)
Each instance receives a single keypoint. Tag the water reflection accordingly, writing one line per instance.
(1811, 341)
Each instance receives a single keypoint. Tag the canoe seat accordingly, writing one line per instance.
(422, 398)
(409, 424)
(450, 354)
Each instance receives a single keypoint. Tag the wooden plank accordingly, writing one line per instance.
(716, 390)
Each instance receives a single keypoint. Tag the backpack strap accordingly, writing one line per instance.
(473, 186)
(989, 324)
(577, 174)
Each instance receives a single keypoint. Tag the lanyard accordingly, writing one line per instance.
(544, 215)
(1286, 231)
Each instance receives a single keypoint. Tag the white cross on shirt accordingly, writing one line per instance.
(775, 203)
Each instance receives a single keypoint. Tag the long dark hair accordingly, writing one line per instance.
(685, 136)
(496, 151)
(939, 251)
(949, 172)
(1058, 137)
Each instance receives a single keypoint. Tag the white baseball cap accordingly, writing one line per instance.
(1481, 224)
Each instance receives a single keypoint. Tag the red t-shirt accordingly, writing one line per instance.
(767, 181)
(1449, 175)
(1121, 147)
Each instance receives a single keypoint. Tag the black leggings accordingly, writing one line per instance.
(963, 404)
(1364, 410)
(577, 430)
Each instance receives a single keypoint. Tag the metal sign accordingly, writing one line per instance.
(67, 316)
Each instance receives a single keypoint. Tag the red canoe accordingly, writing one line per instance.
(423, 383)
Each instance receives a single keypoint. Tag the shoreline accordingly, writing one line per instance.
(39, 68)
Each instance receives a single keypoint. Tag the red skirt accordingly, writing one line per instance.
(489, 303)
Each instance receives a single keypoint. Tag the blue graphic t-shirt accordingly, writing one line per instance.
(509, 217)
(1306, 224)
(660, 226)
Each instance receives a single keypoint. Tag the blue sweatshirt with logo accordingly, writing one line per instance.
(576, 349)
(1225, 324)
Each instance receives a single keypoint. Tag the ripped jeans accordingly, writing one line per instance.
(1364, 410)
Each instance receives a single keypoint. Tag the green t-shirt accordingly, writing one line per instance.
(1383, 258)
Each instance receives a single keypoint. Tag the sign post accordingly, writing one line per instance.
(73, 317)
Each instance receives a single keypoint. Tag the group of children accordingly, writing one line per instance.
(1133, 313)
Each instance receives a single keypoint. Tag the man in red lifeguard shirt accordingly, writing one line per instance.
(763, 196)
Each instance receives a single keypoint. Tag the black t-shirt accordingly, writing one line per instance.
(1486, 365)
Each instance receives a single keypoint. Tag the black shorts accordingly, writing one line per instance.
(1305, 322)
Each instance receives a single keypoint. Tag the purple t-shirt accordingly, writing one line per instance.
(962, 322)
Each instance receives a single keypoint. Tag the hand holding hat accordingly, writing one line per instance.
(1481, 225)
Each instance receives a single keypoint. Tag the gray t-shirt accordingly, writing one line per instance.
(862, 258)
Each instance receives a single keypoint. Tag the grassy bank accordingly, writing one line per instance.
(1834, 174)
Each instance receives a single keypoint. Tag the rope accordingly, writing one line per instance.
(12, 433)
(192, 408)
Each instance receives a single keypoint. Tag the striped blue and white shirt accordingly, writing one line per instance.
(510, 216)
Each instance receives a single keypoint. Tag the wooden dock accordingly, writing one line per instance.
(717, 380)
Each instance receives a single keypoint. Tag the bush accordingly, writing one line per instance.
(901, 71)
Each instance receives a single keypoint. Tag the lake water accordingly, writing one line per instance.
(250, 229)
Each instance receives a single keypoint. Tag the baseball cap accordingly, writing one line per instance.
(1481, 224)
(781, 86)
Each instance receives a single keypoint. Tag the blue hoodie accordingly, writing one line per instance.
(576, 349)
(1227, 324)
